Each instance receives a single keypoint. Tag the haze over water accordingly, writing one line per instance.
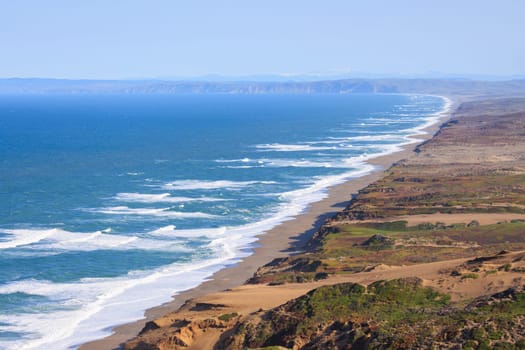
(111, 204)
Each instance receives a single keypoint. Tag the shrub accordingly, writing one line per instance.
(473, 223)
(470, 275)
(228, 317)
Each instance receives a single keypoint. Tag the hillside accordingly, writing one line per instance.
(421, 86)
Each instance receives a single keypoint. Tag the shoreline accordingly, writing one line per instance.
(287, 237)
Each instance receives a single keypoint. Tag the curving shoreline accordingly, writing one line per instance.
(281, 240)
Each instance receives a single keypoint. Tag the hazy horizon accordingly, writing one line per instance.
(126, 40)
(282, 78)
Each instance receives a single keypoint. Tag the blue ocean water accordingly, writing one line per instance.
(111, 204)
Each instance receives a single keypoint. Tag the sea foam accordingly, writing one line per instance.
(208, 185)
(277, 147)
(159, 212)
(160, 198)
(56, 239)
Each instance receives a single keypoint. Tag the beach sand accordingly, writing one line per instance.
(281, 241)
(249, 299)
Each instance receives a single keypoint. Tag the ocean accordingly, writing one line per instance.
(112, 204)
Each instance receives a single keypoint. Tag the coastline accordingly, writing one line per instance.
(285, 238)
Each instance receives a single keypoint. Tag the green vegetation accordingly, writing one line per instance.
(433, 242)
(393, 314)
(398, 298)
(470, 275)
(414, 189)
(351, 248)
(228, 317)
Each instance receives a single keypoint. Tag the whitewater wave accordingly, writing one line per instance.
(278, 147)
(171, 231)
(372, 138)
(91, 306)
(62, 240)
(293, 163)
(243, 160)
(159, 212)
(336, 143)
(87, 309)
(210, 185)
(160, 198)
(430, 120)
(18, 238)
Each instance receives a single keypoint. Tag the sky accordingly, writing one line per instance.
(127, 39)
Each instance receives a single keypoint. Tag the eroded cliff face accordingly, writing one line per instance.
(178, 334)
(396, 314)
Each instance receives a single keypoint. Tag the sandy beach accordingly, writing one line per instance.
(283, 240)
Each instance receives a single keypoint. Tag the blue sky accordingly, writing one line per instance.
(170, 38)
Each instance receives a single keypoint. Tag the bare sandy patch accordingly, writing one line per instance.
(449, 219)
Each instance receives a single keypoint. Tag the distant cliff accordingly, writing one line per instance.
(429, 86)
